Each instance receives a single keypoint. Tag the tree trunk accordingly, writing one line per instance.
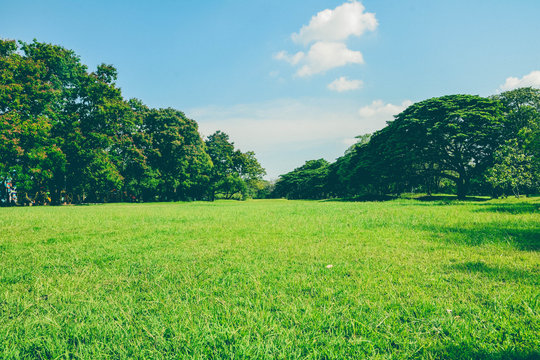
(462, 188)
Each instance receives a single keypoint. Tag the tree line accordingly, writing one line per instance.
(68, 135)
(460, 144)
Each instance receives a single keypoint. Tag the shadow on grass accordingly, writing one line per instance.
(449, 198)
(363, 198)
(468, 351)
(503, 273)
(445, 199)
(517, 208)
(491, 233)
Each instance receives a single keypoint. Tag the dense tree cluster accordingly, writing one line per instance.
(234, 172)
(460, 143)
(306, 182)
(68, 135)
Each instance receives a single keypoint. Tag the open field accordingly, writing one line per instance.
(410, 279)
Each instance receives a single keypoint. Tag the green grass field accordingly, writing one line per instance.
(410, 279)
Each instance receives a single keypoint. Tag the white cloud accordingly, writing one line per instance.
(337, 25)
(265, 125)
(378, 113)
(291, 59)
(322, 56)
(327, 32)
(343, 84)
(532, 79)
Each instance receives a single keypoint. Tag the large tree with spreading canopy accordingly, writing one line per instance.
(453, 137)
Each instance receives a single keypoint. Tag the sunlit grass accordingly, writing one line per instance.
(410, 279)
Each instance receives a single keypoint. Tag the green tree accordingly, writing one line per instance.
(85, 115)
(27, 117)
(177, 152)
(141, 180)
(452, 137)
(522, 111)
(250, 171)
(65, 130)
(349, 175)
(513, 169)
(517, 162)
(234, 172)
(221, 152)
(308, 181)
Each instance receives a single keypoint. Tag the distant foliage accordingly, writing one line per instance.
(512, 171)
(234, 173)
(68, 135)
(517, 161)
(451, 137)
(461, 143)
(306, 182)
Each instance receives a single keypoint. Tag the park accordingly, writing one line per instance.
(272, 279)
(322, 179)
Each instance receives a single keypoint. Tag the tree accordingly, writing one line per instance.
(349, 174)
(250, 171)
(233, 172)
(82, 117)
(27, 118)
(522, 110)
(177, 152)
(512, 169)
(66, 130)
(308, 181)
(141, 180)
(517, 162)
(453, 137)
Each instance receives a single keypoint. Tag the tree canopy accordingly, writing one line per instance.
(452, 137)
(305, 182)
(517, 160)
(234, 172)
(461, 143)
(68, 135)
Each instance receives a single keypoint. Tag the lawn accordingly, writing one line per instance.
(272, 279)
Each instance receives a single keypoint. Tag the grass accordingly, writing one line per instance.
(410, 279)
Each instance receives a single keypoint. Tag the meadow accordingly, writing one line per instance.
(272, 279)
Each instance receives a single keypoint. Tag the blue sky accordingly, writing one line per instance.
(292, 80)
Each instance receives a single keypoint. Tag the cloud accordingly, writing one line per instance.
(345, 20)
(285, 133)
(291, 59)
(268, 124)
(322, 56)
(343, 84)
(378, 113)
(327, 32)
(532, 79)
